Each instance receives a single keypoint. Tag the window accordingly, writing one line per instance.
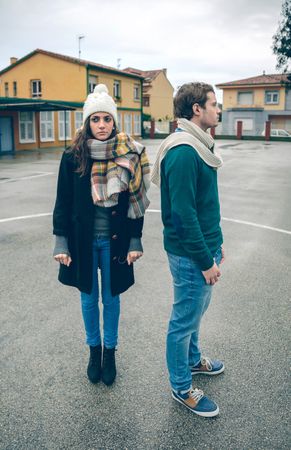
(127, 124)
(136, 124)
(47, 126)
(26, 127)
(15, 88)
(78, 120)
(35, 88)
(272, 97)
(116, 89)
(146, 101)
(64, 124)
(136, 92)
(245, 98)
(6, 89)
(119, 121)
(93, 81)
(247, 124)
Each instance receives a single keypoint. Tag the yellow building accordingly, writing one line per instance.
(157, 93)
(42, 95)
(255, 100)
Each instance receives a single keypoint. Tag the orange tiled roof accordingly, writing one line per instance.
(147, 74)
(260, 79)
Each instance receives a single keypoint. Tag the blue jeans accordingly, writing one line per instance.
(111, 305)
(191, 299)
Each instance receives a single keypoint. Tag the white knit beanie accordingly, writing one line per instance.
(99, 101)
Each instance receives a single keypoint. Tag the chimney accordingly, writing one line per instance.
(13, 60)
(165, 71)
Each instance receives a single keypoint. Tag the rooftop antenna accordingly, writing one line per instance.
(118, 63)
(79, 40)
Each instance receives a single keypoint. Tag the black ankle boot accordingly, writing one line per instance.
(94, 365)
(108, 366)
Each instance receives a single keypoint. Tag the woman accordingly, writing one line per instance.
(98, 221)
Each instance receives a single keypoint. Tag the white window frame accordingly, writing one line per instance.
(46, 124)
(117, 89)
(145, 100)
(25, 140)
(92, 83)
(137, 124)
(136, 92)
(78, 121)
(241, 93)
(37, 92)
(128, 123)
(61, 122)
(272, 94)
(247, 124)
(119, 121)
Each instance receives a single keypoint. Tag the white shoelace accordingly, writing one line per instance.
(196, 394)
(206, 362)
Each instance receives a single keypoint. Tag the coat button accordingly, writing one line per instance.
(114, 213)
(114, 236)
(114, 258)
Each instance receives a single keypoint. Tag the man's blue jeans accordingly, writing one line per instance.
(111, 305)
(191, 299)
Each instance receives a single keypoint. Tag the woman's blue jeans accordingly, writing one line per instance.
(111, 305)
(191, 299)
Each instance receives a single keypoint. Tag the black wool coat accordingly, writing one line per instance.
(73, 217)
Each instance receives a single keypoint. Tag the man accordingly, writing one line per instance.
(186, 170)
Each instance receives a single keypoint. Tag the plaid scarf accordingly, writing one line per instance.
(120, 164)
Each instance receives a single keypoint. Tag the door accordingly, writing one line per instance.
(6, 136)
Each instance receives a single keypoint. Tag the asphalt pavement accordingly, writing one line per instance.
(47, 403)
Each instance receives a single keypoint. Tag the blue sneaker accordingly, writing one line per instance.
(197, 402)
(207, 366)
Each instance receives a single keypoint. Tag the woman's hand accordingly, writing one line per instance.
(133, 256)
(63, 258)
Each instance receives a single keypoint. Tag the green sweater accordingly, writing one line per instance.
(190, 206)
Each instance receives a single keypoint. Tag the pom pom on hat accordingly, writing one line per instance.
(100, 88)
(100, 101)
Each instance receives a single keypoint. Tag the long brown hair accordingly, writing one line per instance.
(80, 148)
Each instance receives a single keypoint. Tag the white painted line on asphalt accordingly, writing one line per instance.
(32, 216)
(41, 174)
(243, 222)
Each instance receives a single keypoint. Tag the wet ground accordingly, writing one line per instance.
(47, 401)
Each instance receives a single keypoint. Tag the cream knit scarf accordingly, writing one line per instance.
(191, 135)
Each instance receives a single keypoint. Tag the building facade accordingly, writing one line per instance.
(255, 100)
(61, 80)
(157, 93)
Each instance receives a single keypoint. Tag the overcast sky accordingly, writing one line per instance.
(205, 40)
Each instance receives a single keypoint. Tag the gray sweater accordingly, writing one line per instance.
(101, 228)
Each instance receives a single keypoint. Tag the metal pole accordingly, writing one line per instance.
(79, 39)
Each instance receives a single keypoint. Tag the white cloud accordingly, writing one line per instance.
(214, 41)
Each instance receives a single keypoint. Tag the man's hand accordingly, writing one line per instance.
(133, 256)
(63, 258)
(212, 275)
